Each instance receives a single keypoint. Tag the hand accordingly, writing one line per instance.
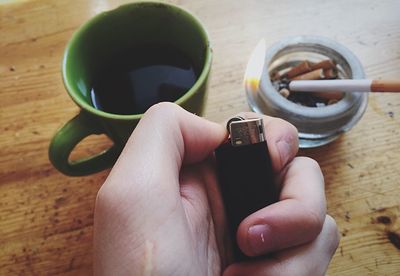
(160, 212)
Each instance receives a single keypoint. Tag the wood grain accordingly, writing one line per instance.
(46, 218)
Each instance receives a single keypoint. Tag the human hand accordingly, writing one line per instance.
(160, 211)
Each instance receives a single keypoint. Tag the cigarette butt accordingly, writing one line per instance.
(299, 69)
(332, 101)
(276, 76)
(325, 64)
(331, 96)
(284, 92)
(313, 75)
(330, 73)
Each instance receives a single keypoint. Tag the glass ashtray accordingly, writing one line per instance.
(320, 125)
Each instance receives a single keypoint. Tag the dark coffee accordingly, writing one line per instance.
(140, 77)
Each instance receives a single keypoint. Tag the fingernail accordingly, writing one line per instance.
(259, 238)
(284, 148)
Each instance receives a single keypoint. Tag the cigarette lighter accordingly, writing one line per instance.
(245, 174)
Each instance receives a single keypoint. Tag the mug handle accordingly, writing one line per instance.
(68, 137)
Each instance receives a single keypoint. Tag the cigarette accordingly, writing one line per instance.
(349, 85)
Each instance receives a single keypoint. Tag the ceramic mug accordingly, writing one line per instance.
(103, 36)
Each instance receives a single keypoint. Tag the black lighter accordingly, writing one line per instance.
(245, 174)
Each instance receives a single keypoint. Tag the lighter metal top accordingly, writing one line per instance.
(245, 132)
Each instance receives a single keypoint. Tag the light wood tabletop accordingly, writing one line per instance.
(46, 218)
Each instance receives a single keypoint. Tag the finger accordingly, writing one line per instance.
(141, 194)
(282, 139)
(148, 168)
(296, 219)
(309, 259)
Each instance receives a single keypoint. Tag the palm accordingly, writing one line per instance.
(205, 217)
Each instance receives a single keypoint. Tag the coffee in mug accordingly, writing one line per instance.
(138, 78)
(121, 62)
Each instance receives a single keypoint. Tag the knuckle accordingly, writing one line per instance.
(162, 109)
(108, 197)
(311, 163)
(315, 222)
(102, 199)
(302, 162)
(105, 195)
(332, 233)
(291, 129)
(291, 135)
(163, 114)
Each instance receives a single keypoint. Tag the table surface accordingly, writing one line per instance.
(46, 218)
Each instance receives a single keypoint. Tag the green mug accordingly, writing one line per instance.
(130, 25)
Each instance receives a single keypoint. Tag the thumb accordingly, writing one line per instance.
(146, 176)
(139, 205)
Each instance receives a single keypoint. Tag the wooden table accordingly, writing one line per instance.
(46, 218)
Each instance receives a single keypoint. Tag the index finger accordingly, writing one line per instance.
(148, 169)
